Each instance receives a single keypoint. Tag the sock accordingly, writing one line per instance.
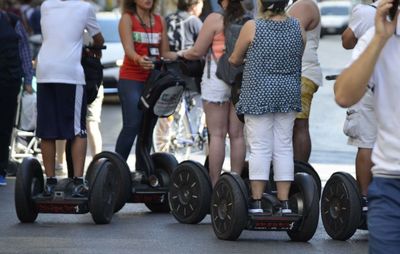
(51, 180)
(78, 180)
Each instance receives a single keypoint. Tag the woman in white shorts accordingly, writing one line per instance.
(220, 114)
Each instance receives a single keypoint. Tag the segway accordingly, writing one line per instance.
(149, 182)
(101, 178)
(191, 190)
(229, 209)
(341, 207)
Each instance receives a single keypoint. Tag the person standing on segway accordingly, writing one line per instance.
(144, 38)
(61, 96)
(360, 124)
(221, 118)
(271, 49)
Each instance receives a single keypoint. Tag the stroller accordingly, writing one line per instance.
(24, 142)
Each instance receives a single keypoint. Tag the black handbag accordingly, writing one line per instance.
(93, 70)
(192, 68)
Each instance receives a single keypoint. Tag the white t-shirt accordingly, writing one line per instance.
(385, 79)
(63, 24)
(362, 18)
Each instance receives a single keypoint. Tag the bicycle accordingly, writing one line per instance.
(185, 131)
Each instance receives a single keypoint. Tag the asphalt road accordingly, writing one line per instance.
(135, 230)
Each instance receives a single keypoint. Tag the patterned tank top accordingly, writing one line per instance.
(272, 71)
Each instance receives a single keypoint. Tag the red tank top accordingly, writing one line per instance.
(144, 38)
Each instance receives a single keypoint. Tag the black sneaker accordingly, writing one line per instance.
(51, 184)
(80, 188)
(364, 204)
(284, 209)
(255, 206)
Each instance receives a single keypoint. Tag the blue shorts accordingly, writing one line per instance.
(383, 215)
(61, 111)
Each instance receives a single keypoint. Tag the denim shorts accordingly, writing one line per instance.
(383, 215)
(214, 89)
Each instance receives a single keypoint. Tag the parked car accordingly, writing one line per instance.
(113, 55)
(335, 16)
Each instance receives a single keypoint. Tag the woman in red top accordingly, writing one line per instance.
(144, 39)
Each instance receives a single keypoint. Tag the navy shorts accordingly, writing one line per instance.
(61, 111)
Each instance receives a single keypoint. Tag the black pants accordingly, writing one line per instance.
(8, 109)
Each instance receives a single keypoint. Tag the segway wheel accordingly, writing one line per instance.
(165, 165)
(119, 165)
(103, 193)
(304, 200)
(29, 183)
(301, 166)
(190, 192)
(340, 206)
(229, 207)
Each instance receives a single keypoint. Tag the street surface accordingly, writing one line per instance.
(135, 230)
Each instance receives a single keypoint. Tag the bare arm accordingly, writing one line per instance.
(307, 13)
(164, 48)
(125, 32)
(351, 83)
(246, 36)
(212, 25)
(349, 40)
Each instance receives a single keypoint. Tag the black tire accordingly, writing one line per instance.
(29, 182)
(229, 207)
(119, 165)
(165, 165)
(340, 206)
(304, 200)
(190, 192)
(12, 168)
(305, 167)
(103, 193)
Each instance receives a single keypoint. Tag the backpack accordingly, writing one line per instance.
(176, 31)
(226, 71)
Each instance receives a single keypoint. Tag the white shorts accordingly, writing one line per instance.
(94, 109)
(269, 139)
(214, 89)
(360, 124)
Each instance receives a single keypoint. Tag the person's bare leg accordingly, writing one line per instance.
(60, 153)
(257, 189)
(237, 143)
(363, 169)
(283, 188)
(301, 140)
(78, 155)
(48, 147)
(217, 123)
(94, 138)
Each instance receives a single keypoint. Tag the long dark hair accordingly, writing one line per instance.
(234, 11)
(129, 6)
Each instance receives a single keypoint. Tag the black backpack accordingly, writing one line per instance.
(162, 92)
(225, 70)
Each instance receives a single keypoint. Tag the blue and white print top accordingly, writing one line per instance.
(272, 71)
